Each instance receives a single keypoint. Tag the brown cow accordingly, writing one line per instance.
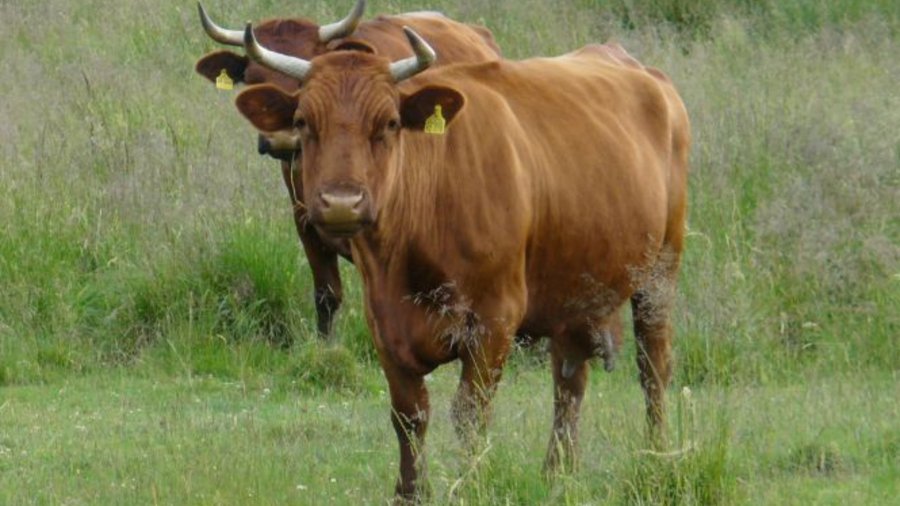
(303, 38)
(556, 194)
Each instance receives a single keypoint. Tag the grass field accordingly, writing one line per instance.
(157, 337)
(122, 438)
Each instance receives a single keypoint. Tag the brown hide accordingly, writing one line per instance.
(456, 42)
(556, 195)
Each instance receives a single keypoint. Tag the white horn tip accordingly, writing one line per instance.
(360, 8)
(423, 50)
(344, 27)
(204, 17)
(216, 32)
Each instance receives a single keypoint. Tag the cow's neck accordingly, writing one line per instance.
(418, 197)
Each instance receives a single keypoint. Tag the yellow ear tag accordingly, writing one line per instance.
(436, 124)
(223, 82)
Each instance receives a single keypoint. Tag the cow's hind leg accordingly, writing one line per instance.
(651, 307)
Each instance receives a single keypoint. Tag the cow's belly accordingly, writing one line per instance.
(581, 283)
(586, 300)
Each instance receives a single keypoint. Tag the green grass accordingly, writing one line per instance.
(119, 438)
(157, 339)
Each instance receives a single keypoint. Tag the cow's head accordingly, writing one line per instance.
(350, 116)
(296, 37)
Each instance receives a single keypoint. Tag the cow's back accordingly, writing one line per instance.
(453, 41)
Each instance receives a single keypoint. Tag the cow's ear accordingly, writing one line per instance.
(415, 109)
(211, 65)
(267, 107)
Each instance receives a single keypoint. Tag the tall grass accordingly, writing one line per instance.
(137, 214)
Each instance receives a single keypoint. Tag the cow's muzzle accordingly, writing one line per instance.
(342, 211)
(276, 147)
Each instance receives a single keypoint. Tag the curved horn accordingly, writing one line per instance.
(345, 26)
(425, 56)
(217, 33)
(297, 68)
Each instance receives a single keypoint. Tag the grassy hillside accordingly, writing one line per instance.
(142, 241)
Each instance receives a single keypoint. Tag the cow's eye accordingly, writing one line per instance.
(392, 125)
(306, 130)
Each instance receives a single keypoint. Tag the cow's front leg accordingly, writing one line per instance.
(322, 258)
(323, 261)
(409, 415)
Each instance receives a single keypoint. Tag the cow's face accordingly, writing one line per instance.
(297, 37)
(350, 117)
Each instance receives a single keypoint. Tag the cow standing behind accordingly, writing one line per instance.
(556, 194)
(458, 42)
